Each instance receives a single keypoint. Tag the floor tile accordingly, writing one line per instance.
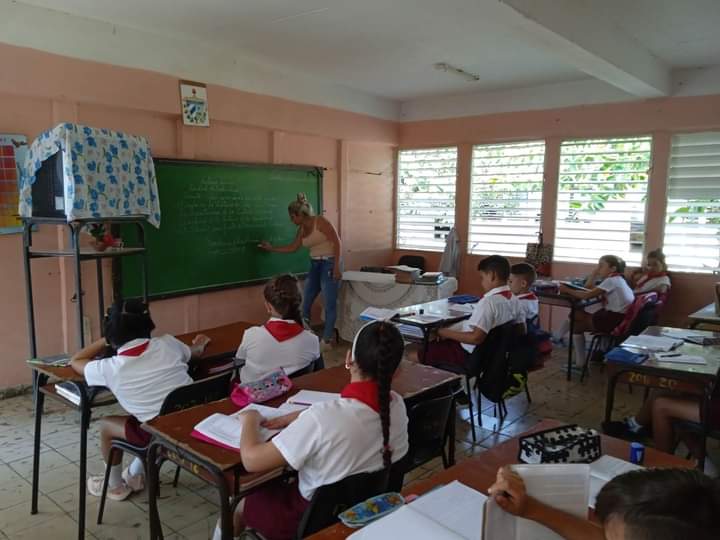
(18, 517)
(14, 489)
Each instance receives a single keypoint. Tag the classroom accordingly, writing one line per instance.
(332, 269)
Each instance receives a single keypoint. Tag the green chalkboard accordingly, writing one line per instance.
(213, 216)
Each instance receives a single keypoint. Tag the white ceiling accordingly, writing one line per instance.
(387, 48)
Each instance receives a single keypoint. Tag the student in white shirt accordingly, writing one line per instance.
(141, 374)
(617, 298)
(522, 276)
(282, 342)
(652, 277)
(365, 430)
(496, 307)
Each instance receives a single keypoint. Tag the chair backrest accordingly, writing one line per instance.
(331, 500)
(312, 367)
(428, 423)
(198, 393)
(495, 361)
(416, 261)
(638, 306)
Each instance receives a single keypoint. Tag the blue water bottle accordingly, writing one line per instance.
(637, 453)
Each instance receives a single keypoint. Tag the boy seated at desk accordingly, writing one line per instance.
(141, 374)
(522, 276)
(495, 308)
(648, 504)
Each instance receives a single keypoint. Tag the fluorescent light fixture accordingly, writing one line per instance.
(448, 68)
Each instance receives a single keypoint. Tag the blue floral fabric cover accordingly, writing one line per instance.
(106, 173)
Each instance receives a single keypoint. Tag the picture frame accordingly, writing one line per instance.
(194, 104)
(13, 149)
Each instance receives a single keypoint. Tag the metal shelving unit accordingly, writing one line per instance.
(79, 255)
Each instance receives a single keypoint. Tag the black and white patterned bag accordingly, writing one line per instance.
(565, 444)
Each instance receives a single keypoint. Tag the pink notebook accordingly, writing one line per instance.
(204, 438)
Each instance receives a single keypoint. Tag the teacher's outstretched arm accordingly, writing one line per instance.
(290, 248)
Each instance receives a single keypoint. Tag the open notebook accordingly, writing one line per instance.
(452, 512)
(224, 430)
(458, 512)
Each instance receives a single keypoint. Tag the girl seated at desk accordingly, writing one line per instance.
(652, 277)
(140, 375)
(365, 430)
(283, 341)
(617, 298)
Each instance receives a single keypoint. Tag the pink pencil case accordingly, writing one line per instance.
(269, 387)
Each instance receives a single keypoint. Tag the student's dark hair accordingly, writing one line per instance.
(662, 504)
(659, 256)
(377, 352)
(282, 293)
(497, 264)
(127, 320)
(525, 271)
(614, 261)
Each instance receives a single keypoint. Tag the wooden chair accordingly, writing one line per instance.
(428, 432)
(183, 397)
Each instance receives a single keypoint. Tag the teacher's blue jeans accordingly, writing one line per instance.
(320, 278)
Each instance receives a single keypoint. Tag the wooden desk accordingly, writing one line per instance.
(412, 316)
(172, 438)
(706, 315)
(479, 472)
(686, 378)
(224, 342)
(573, 304)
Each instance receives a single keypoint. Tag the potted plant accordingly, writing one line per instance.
(101, 238)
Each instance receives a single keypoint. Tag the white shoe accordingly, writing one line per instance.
(136, 482)
(118, 493)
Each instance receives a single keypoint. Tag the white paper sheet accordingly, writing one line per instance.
(603, 470)
(652, 343)
(227, 429)
(680, 358)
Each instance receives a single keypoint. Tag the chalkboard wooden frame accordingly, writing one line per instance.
(317, 170)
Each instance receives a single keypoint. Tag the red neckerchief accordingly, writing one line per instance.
(507, 294)
(528, 296)
(135, 351)
(364, 391)
(647, 277)
(283, 330)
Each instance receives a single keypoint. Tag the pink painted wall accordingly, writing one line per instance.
(40, 90)
(657, 117)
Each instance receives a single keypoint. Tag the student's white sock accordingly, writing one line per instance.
(115, 478)
(136, 467)
(632, 424)
(579, 346)
(217, 534)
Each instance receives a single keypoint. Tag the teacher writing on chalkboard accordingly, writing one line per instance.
(318, 235)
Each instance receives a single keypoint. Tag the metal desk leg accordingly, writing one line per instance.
(451, 434)
(570, 341)
(610, 395)
(39, 380)
(84, 425)
(153, 481)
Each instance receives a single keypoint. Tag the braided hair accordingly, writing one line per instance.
(377, 351)
(127, 320)
(282, 293)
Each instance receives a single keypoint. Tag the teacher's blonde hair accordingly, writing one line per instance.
(301, 206)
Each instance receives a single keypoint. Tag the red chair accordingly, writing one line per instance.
(638, 317)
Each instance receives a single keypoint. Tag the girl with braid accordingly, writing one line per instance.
(365, 430)
(283, 341)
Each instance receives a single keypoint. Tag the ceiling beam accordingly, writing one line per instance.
(592, 43)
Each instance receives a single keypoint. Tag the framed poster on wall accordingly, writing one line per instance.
(13, 149)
